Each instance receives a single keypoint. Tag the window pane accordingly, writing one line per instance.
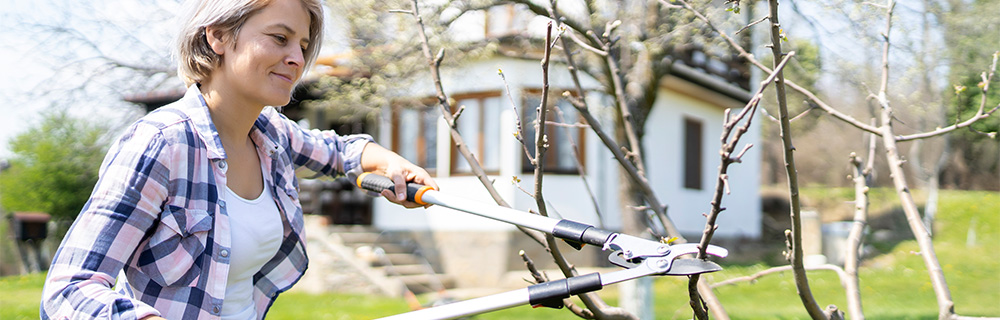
(431, 116)
(692, 153)
(566, 136)
(469, 127)
(409, 122)
(528, 128)
(492, 107)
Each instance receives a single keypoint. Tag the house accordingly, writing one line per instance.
(681, 150)
(680, 141)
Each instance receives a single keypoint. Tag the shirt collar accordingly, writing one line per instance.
(263, 133)
(197, 109)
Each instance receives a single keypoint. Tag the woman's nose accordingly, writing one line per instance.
(296, 58)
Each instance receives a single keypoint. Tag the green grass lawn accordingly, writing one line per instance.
(894, 285)
(20, 295)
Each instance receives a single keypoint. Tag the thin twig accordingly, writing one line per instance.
(982, 113)
(747, 27)
(577, 157)
(753, 278)
(519, 133)
(728, 146)
(567, 125)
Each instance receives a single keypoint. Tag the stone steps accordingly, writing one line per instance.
(394, 257)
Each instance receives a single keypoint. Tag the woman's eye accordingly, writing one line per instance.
(279, 38)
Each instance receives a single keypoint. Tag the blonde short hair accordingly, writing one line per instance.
(196, 59)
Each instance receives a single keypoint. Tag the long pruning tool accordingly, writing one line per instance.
(640, 257)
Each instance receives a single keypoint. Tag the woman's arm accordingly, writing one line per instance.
(380, 160)
(328, 153)
(123, 206)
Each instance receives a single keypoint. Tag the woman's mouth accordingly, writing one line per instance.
(283, 77)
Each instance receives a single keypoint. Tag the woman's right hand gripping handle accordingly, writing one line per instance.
(377, 183)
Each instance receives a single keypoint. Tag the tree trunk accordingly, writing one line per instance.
(636, 295)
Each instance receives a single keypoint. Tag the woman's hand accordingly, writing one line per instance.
(381, 161)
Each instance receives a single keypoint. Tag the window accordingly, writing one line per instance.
(479, 125)
(560, 129)
(414, 130)
(692, 153)
(415, 134)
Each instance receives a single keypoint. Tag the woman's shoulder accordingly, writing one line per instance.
(273, 122)
(172, 123)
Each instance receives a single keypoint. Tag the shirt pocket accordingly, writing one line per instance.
(177, 251)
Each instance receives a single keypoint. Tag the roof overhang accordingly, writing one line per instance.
(699, 85)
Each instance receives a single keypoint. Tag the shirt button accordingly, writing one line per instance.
(222, 204)
(215, 309)
(222, 164)
(224, 253)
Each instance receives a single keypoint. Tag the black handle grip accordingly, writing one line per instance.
(551, 294)
(377, 183)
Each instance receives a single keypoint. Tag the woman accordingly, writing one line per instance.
(196, 213)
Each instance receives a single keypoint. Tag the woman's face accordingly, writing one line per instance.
(267, 59)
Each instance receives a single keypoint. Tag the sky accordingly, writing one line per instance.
(29, 59)
(28, 64)
(38, 70)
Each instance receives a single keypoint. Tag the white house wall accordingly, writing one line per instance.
(664, 147)
(566, 194)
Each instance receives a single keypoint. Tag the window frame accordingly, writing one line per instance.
(555, 133)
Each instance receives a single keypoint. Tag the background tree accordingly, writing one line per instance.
(970, 39)
(375, 54)
(96, 52)
(55, 166)
(890, 137)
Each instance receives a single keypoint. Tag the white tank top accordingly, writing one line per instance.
(256, 235)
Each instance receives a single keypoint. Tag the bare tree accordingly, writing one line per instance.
(889, 138)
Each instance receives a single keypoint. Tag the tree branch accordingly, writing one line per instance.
(752, 278)
(750, 58)
(833, 111)
(445, 107)
(982, 113)
(728, 147)
(862, 182)
(577, 156)
(801, 281)
(595, 126)
(946, 306)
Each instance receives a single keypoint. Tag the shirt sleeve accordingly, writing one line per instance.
(123, 206)
(322, 151)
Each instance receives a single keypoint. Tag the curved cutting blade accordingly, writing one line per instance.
(684, 267)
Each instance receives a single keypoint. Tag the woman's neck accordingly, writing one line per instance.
(233, 117)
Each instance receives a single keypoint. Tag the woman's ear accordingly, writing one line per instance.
(216, 39)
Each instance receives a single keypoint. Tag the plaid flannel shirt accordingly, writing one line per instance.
(156, 225)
